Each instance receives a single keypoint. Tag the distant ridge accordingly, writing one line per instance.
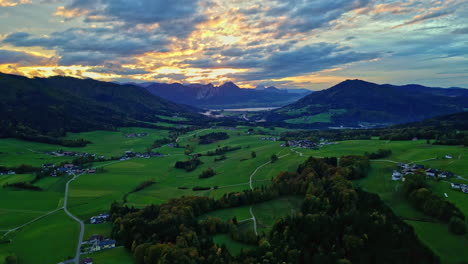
(358, 103)
(227, 95)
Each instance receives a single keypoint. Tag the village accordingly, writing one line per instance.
(97, 242)
(307, 144)
(404, 169)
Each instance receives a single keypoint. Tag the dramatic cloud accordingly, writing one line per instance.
(92, 46)
(22, 58)
(303, 16)
(6, 3)
(175, 17)
(298, 43)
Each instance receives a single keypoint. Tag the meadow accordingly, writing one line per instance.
(92, 194)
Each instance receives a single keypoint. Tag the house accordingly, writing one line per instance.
(448, 156)
(48, 166)
(106, 244)
(464, 188)
(68, 166)
(87, 261)
(455, 185)
(396, 176)
(10, 172)
(99, 219)
(431, 172)
(69, 153)
(96, 238)
(92, 171)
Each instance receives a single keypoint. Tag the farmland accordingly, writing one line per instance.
(91, 194)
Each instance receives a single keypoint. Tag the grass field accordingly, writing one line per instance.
(234, 247)
(325, 117)
(93, 194)
(49, 240)
(436, 236)
(111, 256)
(14, 152)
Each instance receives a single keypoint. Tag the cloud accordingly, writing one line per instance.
(61, 11)
(275, 64)
(175, 17)
(9, 3)
(22, 58)
(426, 16)
(303, 16)
(92, 46)
(461, 31)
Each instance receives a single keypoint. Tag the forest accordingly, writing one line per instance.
(336, 224)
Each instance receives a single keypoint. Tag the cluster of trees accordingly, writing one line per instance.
(336, 224)
(446, 130)
(213, 137)
(208, 173)
(189, 165)
(159, 143)
(357, 166)
(21, 169)
(221, 150)
(379, 154)
(138, 188)
(417, 193)
(220, 158)
(23, 186)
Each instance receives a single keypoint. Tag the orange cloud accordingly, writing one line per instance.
(7, 3)
(61, 11)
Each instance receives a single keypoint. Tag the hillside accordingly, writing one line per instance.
(356, 103)
(227, 95)
(53, 106)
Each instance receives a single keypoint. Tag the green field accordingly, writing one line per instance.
(325, 117)
(92, 194)
(49, 240)
(111, 256)
(14, 152)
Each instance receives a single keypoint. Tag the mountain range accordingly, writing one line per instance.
(55, 105)
(227, 95)
(357, 103)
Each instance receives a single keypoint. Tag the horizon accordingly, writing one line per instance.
(308, 45)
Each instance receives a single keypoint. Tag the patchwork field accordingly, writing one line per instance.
(92, 194)
(14, 152)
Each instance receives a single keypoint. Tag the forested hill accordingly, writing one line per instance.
(457, 121)
(53, 106)
(355, 102)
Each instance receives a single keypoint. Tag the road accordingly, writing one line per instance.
(76, 260)
(191, 135)
(259, 167)
(254, 220)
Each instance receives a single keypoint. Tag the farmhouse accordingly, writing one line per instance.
(99, 219)
(396, 176)
(87, 261)
(461, 187)
(448, 156)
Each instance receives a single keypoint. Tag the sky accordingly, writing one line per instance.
(310, 44)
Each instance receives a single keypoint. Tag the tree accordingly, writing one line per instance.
(253, 154)
(11, 260)
(274, 158)
(457, 226)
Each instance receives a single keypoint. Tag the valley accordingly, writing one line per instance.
(91, 194)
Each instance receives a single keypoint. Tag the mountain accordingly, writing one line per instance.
(356, 103)
(55, 105)
(227, 95)
(452, 91)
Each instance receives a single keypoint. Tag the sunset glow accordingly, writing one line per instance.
(289, 44)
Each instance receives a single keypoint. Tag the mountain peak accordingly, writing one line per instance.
(228, 85)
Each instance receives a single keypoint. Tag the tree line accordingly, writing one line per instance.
(336, 224)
